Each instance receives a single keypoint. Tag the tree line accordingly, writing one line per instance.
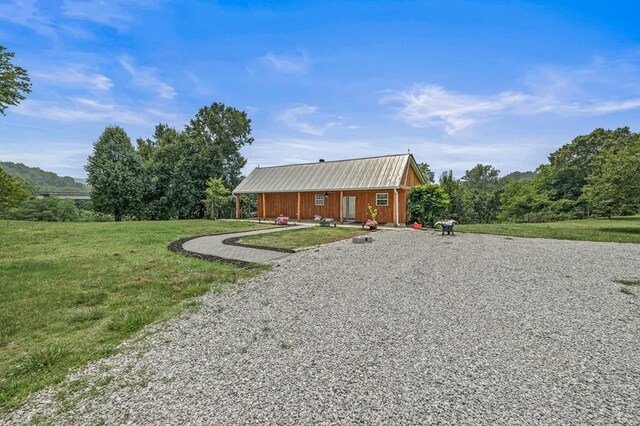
(174, 174)
(594, 175)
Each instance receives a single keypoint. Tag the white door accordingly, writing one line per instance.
(349, 207)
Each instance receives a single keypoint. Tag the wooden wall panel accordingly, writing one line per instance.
(308, 208)
(364, 198)
(402, 206)
(412, 178)
(287, 203)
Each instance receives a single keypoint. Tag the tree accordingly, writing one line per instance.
(49, 209)
(456, 209)
(168, 185)
(616, 188)
(571, 166)
(217, 197)
(218, 132)
(426, 172)
(482, 192)
(427, 204)
(12, 191)
(520, 201)
(114, 174)
(14, 81)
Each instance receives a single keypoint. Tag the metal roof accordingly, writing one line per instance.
(357, 174)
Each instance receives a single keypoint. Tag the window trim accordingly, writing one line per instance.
(386, 196)
(316, 200)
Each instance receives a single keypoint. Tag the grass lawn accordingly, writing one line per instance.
(299, 238)
(619, 229)
(70, 292)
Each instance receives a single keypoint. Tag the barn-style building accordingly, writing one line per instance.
(338, 189)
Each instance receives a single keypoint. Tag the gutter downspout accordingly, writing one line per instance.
(395, 202)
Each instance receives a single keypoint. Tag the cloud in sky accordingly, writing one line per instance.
(112, 13)
(433, 106)
(75, 75)
(27, 14)
(287, 64)
(303, 118)
(85, 109)
(144, 77)
(597, 89)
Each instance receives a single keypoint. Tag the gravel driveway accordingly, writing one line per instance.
(414, 328)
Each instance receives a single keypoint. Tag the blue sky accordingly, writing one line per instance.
(456, 82)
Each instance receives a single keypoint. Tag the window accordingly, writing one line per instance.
(382, 199)
(319, 199)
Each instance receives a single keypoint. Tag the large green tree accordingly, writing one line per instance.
(12, 191)
(426, 172)
(519, 201)
(482, 194)
(218, 132)
(571, 166)
(457, 208)
(615, 189)
(169, 188)
(114, 174)
(14, 81)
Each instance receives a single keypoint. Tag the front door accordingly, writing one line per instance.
(349, 207)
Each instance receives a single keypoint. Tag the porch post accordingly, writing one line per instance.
(237, 207)
(395, 207)
(341, 207)
(298, 209)
(264, 205)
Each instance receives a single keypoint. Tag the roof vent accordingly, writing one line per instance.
(321, 160)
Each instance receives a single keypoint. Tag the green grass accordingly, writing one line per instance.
(630, 283)
(296, 238)
(70, 292)
(626, 291)
(618, 229)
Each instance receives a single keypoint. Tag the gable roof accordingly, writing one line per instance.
(385, 172)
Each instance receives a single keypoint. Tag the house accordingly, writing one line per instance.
(338, 189)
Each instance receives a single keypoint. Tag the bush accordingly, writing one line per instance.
(92, 216)
(49, 209)
(427, 204)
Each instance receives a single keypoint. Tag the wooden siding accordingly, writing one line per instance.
(412, 177)
(287, 203)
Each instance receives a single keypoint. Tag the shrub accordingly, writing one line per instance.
(49, 209)
(427, 204)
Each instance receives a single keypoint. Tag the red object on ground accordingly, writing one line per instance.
(417, 225)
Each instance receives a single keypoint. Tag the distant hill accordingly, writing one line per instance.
(520, 176)
(43, 180)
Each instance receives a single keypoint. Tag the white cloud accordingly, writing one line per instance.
(75, 75)
(433, 106)
(302, 118)
(599, 88)
(26, 13)
(80, 109)
(144, 77)
(112, 13)
(276, 151)
(288, 64)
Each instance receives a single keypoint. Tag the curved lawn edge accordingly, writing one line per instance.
(177, 247)
(235, 241)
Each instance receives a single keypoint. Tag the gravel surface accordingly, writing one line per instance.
(413, 328)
